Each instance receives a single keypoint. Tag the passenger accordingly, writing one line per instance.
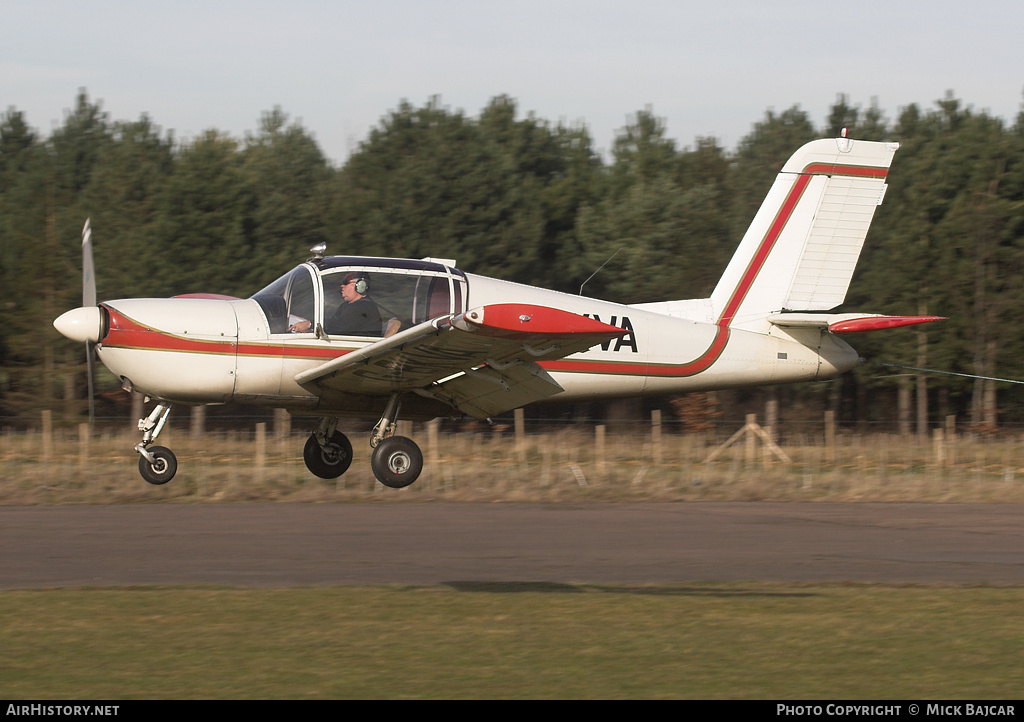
(358, 314)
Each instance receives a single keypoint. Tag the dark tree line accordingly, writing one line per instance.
(524, 199)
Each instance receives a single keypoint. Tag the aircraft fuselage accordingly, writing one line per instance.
(202, 350)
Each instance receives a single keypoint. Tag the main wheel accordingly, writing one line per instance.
(331, 462)
(163, 468)
(397, 462)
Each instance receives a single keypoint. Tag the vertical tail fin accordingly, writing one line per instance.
(800, 251)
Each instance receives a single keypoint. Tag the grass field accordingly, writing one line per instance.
(753, 641)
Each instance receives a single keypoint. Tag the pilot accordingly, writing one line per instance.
(358, 314)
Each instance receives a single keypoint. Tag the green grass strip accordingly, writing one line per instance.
(515, 641)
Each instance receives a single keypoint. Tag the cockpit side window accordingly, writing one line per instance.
(402, 298)
(377, 303)
(440, 300)
(433, 298)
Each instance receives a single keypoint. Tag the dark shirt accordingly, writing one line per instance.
(359, 318)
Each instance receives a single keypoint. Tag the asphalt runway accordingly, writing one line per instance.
(280, 545)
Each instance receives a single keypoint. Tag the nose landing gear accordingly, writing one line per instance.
(157, 464)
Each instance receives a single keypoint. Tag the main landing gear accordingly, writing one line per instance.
(396, 461)
(328, 452)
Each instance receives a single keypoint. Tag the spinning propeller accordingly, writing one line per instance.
(88, 301)
(85, 324)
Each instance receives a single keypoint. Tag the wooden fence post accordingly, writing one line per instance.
(137, 411)
(47, 435)
(951, 440)
(938, 447)
(282, 431)
(751, 442)
(260, 456)
(520, 436)
(282, 424)
(830, 436)
(83, 443)
(198, 422)
(656, 435)
(434, 449)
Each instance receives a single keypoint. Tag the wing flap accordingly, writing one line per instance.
(484, 392)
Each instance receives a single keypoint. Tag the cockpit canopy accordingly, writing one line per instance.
(309, 298)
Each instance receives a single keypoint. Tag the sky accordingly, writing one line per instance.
(337, 67)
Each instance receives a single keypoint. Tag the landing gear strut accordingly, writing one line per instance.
(157, 464)
(396, 461)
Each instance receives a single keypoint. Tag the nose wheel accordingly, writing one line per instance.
(161, 468)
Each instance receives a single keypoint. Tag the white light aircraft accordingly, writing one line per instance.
(433, 340)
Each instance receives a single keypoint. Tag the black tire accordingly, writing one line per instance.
(163, 468)
(397, 462)
(329, 463)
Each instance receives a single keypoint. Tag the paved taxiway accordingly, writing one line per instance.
(438, 543)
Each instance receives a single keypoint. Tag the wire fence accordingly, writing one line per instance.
(522, 461)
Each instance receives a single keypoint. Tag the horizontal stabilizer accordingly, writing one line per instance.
(847, 322)
(878, 323)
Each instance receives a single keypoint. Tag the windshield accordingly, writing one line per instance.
(288, 300)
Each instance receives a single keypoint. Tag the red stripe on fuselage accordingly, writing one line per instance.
(126, 332)
(619, 368)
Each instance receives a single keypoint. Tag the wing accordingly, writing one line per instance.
(481, 362)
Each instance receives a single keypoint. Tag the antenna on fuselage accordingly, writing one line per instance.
(599, 269)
